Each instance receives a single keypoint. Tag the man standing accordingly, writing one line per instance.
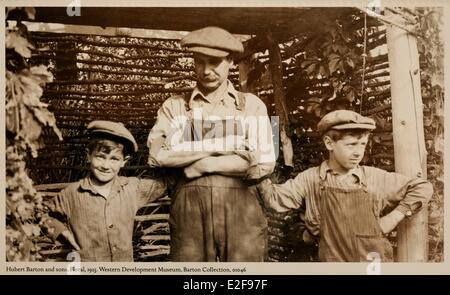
(220, 139)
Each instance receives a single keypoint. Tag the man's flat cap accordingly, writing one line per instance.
(115, 129)
(344, 119)
(212, 41)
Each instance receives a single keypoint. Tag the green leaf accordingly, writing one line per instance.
(41, 74)
(30, 92)
(342, 49)
(25, 211)
(308, 62)
(25, 91)
(20, 44)
(333, 60)
(48, 119)
(313, 104)
(439, 144)
(318, 111)
(323, 71)
(351, 96)
(311, 68)
(376, 139)
(12, 120)
(427, 121)
(350, 63)
(341, 66)
(30, 129)
(316, 100)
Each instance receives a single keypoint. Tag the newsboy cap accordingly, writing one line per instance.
(212, 41)
(115, 129)
(344, 119)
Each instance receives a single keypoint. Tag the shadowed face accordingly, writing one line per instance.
(211, 71)
(347, 152)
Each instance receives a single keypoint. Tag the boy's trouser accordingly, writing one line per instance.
(217, 218)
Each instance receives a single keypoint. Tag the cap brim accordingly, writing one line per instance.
(209, 51)
(354, 126)
(122, 138)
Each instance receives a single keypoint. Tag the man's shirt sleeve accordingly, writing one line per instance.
(261, 143)
(161, 132)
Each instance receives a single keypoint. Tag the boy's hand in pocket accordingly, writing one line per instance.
(70, 238)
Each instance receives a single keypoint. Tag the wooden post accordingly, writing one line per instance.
(409, 141)
(244, 69)
(276, 69)
(251, 47)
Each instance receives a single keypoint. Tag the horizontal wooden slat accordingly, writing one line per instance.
(240, 20)
(51, 186)
(154, 247)
(115, 56)
(112, 43)
(113, 64)
(154, 253)
(132, 100)
(53, 92)
(155, 238)
(117, 72)
(152, 217)
(376, 110)
(55, 251)
(130, 109)
(106, 81)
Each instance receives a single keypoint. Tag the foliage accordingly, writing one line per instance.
(431, 49)
(26, 117)
(324, 72)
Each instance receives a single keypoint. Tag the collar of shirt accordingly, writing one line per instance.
(86, 184)
(358, 172)
(230, 90)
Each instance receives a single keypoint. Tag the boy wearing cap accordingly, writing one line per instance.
(101, 207)
(215, 215)
(349, 208)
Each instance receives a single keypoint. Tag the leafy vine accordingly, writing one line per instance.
(26, 118)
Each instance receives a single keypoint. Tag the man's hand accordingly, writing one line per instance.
(389, 222)
(69, 237)
(227, 165)
(308, 239)
(193, 171)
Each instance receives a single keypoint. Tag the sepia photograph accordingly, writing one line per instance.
(281, 135)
